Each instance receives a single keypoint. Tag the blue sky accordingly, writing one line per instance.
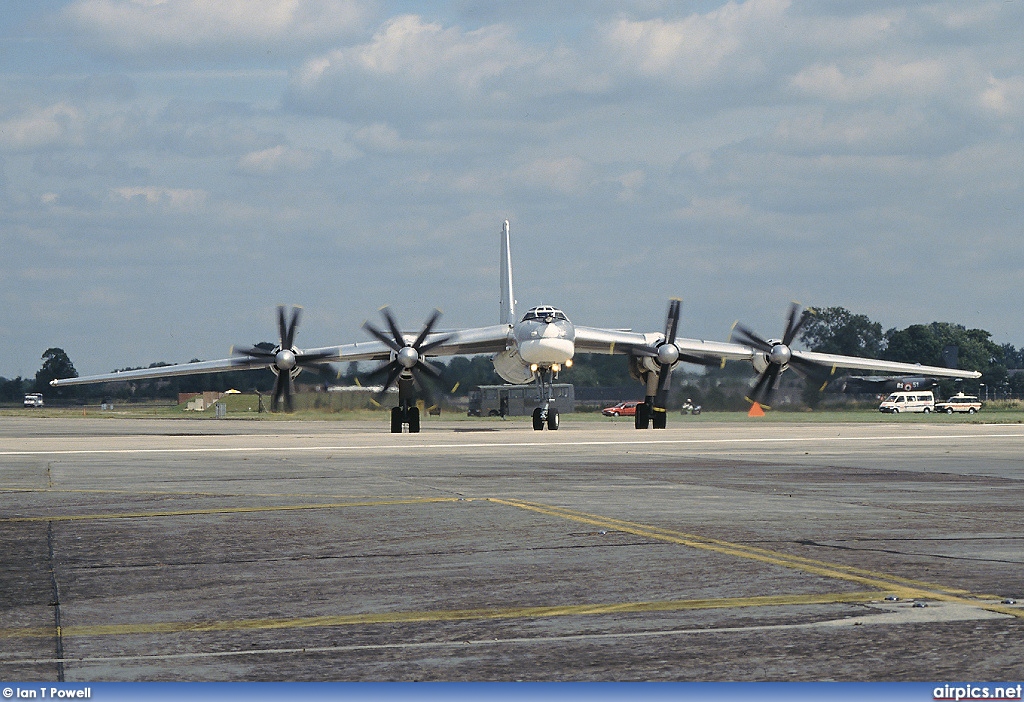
(171, 170)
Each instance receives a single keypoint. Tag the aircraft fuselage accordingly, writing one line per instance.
(545, 337)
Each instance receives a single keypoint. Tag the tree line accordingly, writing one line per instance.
(827, 330)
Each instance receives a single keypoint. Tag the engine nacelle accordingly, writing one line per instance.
(511, 367)
(760, 362)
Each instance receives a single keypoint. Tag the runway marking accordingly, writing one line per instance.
(506, 445)
(541, 612)
(231, 510)
(466, 643)
(902, 587)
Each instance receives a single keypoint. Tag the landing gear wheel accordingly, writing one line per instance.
(538, 419)
(643, 416)
(413, 418)
(553, 419)
(659, 419)
(396, 420)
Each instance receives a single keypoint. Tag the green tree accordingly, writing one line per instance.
(925, 343)
(1012, 357)
(56, 365)
(13, 390)
(840, 331)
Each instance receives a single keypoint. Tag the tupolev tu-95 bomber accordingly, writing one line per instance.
(530, 349)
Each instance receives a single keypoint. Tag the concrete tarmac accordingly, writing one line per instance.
(483, 550)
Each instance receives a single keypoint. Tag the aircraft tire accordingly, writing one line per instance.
(659, 419)
(538, 422)
(396, 420)
(643, 416)
(553, 420)
(413, 418)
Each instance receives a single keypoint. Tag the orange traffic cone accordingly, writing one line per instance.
(755, 410)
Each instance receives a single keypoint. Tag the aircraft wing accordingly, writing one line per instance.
(837, 361)
(595, 340)
(459, 342)
(197, 367)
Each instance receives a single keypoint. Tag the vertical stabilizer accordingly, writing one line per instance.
(508, 301)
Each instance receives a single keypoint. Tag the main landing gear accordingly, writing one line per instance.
(546, 414)
(406, 414)
(647, 416)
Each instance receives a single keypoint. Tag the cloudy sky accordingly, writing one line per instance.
(171, 170)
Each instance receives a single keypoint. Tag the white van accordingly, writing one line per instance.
(34, 399)
(909, 401)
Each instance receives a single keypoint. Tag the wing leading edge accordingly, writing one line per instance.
(490, 339)
(613, 341)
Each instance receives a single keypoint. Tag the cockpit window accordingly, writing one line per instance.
(543, 314)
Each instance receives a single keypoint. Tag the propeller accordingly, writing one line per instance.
(284, 360)
(778, 354)
(666, 354)
(408, 358)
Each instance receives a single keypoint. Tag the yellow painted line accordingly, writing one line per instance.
(229, 510)
(903, 587)
(439, 615)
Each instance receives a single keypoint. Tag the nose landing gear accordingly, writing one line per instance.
(546, 414)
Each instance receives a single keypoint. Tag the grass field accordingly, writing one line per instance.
(244, 407)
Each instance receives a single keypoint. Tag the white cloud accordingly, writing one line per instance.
(1004, 97)
(697, 47)
(878, 78)
(58, 124)
(413, 64)
(155, 27)
(279, 159)
(167, 199)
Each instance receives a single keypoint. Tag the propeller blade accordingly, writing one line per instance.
(709, 361)
(765, 385)
(289, 340)
(394, 369)
(429, 368)
(433, 344)
(423, 388)
(382, 337)
(254, 352)
(427, 328)
(393, 326)
(750, 338)
(796, 322)
(664, 385)
(672, 320)
(282, 391)
(311, 359)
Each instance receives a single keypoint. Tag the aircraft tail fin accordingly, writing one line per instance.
(508, 300)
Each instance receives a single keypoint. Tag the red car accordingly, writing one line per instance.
(623, 409)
